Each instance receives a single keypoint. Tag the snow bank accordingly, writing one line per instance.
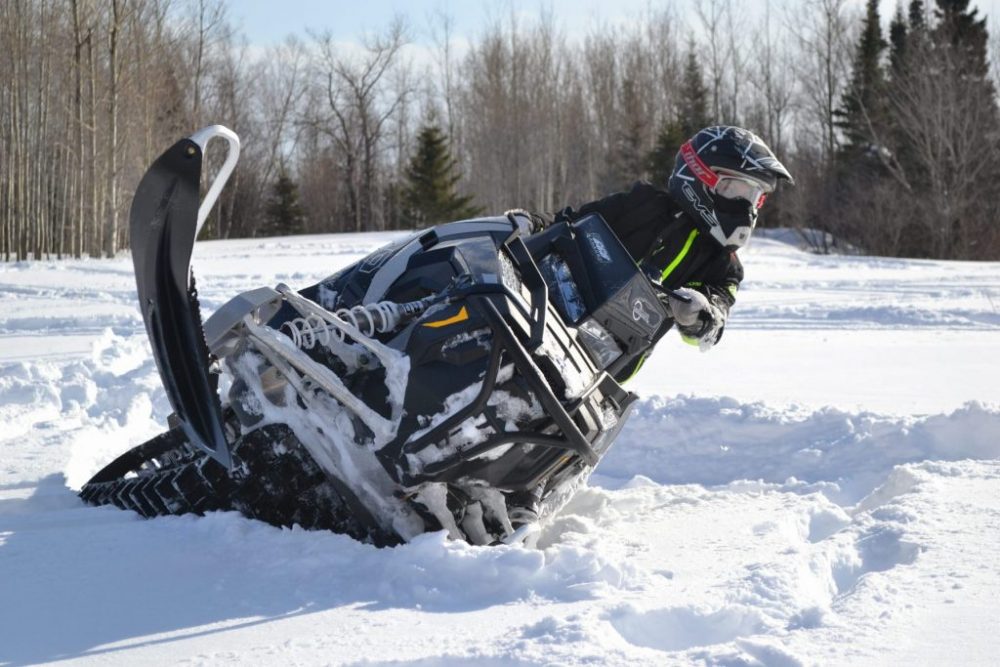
(719, 440)
(130, 577)
(839, 508)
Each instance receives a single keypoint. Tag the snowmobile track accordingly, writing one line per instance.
(273, 480)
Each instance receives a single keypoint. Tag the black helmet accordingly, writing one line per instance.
(721, 177)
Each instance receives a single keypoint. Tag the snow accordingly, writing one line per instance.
(821, 488)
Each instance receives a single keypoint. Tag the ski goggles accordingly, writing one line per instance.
(723, 183)
(739, 187)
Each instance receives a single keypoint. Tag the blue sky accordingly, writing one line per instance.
(269, 21)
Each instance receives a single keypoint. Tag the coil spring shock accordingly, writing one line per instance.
(369, 319)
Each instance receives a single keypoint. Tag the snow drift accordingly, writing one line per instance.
(767, 505)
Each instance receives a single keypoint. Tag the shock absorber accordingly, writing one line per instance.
(369, 319)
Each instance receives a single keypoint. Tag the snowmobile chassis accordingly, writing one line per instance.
(381, 373)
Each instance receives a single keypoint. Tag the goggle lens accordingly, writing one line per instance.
(732, 187)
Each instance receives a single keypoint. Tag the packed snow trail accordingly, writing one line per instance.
(823, 488)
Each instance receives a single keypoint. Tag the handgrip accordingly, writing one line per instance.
(202, 137)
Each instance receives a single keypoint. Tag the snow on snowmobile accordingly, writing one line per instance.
(459, 379)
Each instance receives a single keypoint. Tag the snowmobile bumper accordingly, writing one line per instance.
(579, 426)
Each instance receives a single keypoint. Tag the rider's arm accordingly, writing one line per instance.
(719, 283)
(612, 208)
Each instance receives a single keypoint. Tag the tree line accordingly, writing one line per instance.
(891, 128)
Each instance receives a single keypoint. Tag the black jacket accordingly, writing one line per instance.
(667, 245)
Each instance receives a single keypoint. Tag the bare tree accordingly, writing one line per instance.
(114, 73)
(208, 20)
(359, 107)
(949, 124)
(822, 66)
(738, 55)
(712, 15)
(282, 88)
(773, 82)
(91, 90)
(81, 37)
(442, 33)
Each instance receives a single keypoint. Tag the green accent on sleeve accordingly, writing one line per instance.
(635, 370)
(694, 283)
(690, 340)
(680, 256)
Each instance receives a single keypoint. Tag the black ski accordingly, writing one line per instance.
(163, 225)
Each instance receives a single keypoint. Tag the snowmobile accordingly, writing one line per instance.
(460, 379)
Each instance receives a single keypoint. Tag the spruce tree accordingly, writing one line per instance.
(959, 28)
(429, 195)
(692, 109)
(941, 94)
(660, 162)
(907, 36)
(862, 105)
(628, 160)
(918, 23)
(692, 115)
(909, 40)
(283, 213)
(897, 42)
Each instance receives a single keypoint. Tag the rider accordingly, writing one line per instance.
(685, 238)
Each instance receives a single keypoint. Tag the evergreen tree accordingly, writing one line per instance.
(959, 49)
(627, 161)
(897, 42)
(941, 96)
(906, 41)
(959, 28)
(692, 109)
(692, 115)
(862, 105)
(918, 23)
(283, 213)
(660, 162)
(909, 44)
(907, 36)
(429, 196)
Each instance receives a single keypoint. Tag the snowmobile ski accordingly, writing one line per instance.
(163, 224)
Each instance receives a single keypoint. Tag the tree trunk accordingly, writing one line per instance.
(95, 236)
(78, 236)
(112, 234)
